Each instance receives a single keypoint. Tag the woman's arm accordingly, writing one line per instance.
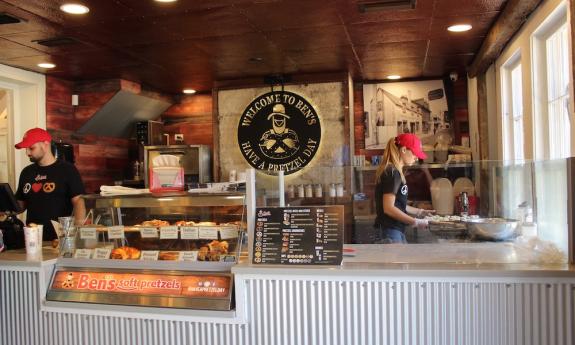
(394, 212)
(79, 209)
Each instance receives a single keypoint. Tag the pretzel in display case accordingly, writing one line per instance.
(166, 227)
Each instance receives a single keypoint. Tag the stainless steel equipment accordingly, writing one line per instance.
(150, 133)
(464, 203)
(63, 151)
(195, 159)
(497, 229)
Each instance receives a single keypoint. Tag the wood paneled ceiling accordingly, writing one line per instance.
(192, 43)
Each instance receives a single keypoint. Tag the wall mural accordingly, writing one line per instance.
(418, 107)
(279, 130)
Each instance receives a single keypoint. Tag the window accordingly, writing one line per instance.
(512, 99)
(558, 93)
(551, 73)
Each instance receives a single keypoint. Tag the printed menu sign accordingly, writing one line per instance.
(299, 235)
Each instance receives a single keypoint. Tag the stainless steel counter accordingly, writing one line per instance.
(18, 258)
(453, 260)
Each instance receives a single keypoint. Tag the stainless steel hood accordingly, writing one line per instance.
(117, 117)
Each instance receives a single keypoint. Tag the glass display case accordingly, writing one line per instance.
(164, 250)
(174, 227)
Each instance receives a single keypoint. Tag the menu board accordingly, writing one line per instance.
(299, 235)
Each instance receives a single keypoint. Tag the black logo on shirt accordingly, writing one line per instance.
(279, 131)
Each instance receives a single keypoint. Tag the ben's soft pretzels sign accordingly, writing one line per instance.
(148, 284)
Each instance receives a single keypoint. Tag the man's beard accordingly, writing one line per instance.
(33, 159)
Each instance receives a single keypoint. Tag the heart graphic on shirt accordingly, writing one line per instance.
(36, 187)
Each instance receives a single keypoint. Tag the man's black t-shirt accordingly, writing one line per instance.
(390, 182)
(47, 191)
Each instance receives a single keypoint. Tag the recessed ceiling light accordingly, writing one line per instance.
(459, 28)
(189, 91)
(393, 77)
(166, 0)
(46, 65)
(74, 8)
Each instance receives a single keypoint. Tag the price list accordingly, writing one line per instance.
(299, 235)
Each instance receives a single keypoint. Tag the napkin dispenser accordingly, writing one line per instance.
(166, 174)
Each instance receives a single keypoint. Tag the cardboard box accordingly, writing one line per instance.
(362, 207)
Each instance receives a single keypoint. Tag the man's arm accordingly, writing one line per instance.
(22, 205)
(79, 209)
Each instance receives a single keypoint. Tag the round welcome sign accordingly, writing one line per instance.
(279, 130)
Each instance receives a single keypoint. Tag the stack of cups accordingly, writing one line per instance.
(33, 239)
(67, 236)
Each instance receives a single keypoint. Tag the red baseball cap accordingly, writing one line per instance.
(32, 136)
(412, 142)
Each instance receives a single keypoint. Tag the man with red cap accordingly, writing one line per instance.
(48, 188)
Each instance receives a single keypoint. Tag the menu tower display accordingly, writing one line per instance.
(299, 235)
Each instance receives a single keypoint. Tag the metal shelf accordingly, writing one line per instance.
(169, 200)
(425, 165)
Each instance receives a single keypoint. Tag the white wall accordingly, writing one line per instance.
(4, 163)
(28, 109)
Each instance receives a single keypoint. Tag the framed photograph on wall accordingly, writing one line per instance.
(418, 107)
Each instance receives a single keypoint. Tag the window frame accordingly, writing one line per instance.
(554, 22)
(509, 149)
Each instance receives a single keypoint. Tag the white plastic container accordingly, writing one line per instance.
(339, 190)
(442, 196)
(291, 191)
(309, 191)
(318, 190)
(332, 190)
(300, 191)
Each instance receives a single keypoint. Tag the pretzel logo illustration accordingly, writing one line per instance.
(49, 187)
(279, 131)
(69, 282)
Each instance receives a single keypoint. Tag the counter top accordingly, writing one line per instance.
(433, 260)
(19, 259)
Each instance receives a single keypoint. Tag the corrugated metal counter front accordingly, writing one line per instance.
(23, 281)
(356, 303)
(484, 299)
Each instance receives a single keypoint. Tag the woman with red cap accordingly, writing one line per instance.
(393, 213)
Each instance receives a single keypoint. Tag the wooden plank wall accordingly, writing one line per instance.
(100, 160)
(192, 117)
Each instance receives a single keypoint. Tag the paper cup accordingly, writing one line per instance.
(40, 234)
(33, 239)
